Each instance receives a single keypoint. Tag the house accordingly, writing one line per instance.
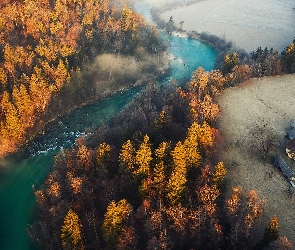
(285, 169)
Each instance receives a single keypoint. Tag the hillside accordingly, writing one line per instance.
(253, 113)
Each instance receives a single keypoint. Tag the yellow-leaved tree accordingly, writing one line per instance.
(24, 105)
(71, 232)
(103, 154)
(12, 123)
(115, 217)
(191, 145)
(143, 157)
(177, 180)
(201, 137)
(159, 178)
(219, 173)
(127, 155)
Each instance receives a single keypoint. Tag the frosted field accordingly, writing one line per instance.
(259, 105)
(247, 23)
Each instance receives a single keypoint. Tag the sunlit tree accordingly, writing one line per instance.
(71, 235)
(127, 155)
(219, 173)
(288, 58)
(114, 219)
(272, 231)
(103, 154)
(143, 157)
(230, 61)
(177, 180)
(234, 202)
(24, 105)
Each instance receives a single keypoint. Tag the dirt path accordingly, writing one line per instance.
(251, 112)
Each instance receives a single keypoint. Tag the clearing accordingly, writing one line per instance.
(254, 113)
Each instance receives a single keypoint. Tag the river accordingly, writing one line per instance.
(24, 171)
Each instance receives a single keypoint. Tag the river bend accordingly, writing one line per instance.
(24, 171)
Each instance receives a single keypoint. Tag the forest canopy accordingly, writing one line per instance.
(45, 44)
(152, 179)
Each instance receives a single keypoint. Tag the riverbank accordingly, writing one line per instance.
(62, 103)
(247, 25)
(214, 41)
(21, 171)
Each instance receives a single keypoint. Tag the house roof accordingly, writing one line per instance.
(290, 145)
(284, 167)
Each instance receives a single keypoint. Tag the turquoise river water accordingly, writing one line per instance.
(24, 171)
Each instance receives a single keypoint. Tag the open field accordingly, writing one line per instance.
(253, 112)
(248, 24)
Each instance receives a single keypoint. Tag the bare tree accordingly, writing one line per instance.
(264, 138)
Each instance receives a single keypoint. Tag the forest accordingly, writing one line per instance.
(151, 178)
(52, 49)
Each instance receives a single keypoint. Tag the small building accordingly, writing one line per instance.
(285, 169)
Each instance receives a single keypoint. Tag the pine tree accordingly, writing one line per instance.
(177, 180)
(84, 154)
(191, 145)
(160, 170)
(103, 154)
(3, 76)
(209, 110)
(126, 19)
(230, 61)
(71, 236)
(143, 157)
(127, 156)
(206, 136)
(288, 58)
(159, 177)
(272, 231)
(219, 173)
(114, 220)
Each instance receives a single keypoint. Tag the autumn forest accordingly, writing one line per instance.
(46, 44)
(151, 178)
